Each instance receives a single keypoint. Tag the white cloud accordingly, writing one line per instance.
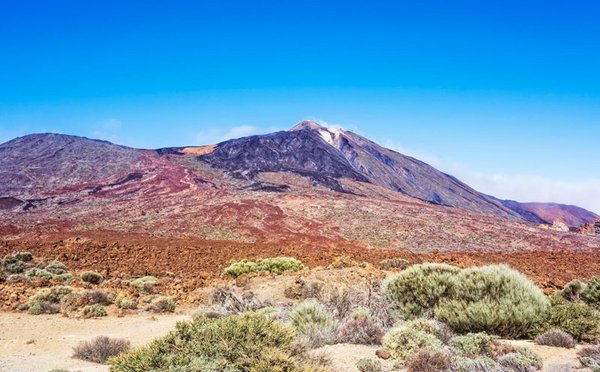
(215, 135)
(240, 131)
(519, 187)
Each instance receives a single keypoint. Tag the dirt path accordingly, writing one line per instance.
(32, 343)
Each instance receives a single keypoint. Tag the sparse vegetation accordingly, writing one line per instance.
(308, 315)
(360, 328)
(144, 284)
(275, 265)
(393, 263)
(473, 345)
(225, 300)
(126, 303)
(47, 300)
(91, 277)
(405, 339)
(100, 349)
(369, 365)
(93, 311)
(556, 338)
(589, 356)
(56, 268)
(429, 360)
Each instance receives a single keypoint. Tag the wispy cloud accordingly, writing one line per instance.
(216, 135)
(519, 187)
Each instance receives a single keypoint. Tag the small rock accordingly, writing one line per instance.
(382, 354)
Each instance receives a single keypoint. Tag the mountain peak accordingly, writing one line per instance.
(307, 124)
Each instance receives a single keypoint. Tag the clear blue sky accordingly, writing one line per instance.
(505, 94)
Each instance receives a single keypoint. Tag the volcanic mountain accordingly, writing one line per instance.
(310, 186)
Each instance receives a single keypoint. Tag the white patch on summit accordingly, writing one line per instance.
(326, 136)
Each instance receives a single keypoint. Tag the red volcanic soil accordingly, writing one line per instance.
(137, 254)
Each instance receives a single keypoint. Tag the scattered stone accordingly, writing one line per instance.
(382, 354)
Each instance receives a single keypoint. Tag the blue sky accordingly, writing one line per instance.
(505, 95)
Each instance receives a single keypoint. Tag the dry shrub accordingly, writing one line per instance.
(557, 338)
(162, 304)
(589, 356)
(77, 300)
(91, 277)
(303, 289)
(393, 263)
(360, 330)
(369, 365)
(429, 360)
(93, 311)
(225, 300)
(100, 349)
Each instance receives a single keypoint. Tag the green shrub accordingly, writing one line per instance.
(56, 268)
(144, 284)
(433, 327)
(368, 365)
(418, 289)
(572, 290)
(238, 342)
(91, 277)
(12, 266)
(242, 267)
(591, 292)
(578, 319)
(310, 314)
(473, 345)
(404, 340)
(279, 265)
(275, 265)
(100, 349)
(480, 364)
(126, 303)
(47, 300)
(162, 304)
(494, 299)
(66, 278)
(393, 263)
(94, 311)
(34, 273)
(589, 357)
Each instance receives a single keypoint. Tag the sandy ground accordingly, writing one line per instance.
(33, 343)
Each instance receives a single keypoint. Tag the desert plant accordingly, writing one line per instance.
(572, 290)
(428, 360)
(56, 268)
(418, 289)
(495, 299)
(78, 300)
(144, 284)
(473, 345)
(226, 301)
(405, 339)
(589, 357)
(556, 338)
(47, 300)
(162, 304)
(100, 349)
(369, 365)
(480, 364)
(35, 272)
(433, 327)
(15, 263)
(22, 256)
(238, 342)
(393, 263)
(279, 265)
(93, 311)
(91, 277)
(126, 303)
(310, 314)
(242, 267)
(66, 278)
(578, 319)
(522, 359)
(590, 293)
(360, 328)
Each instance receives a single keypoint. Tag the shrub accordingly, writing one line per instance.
(576, 318)
(238, 342)
(523, 359)
(23, 256)
(418, 289)
(94, 311)
(589, 356)
(244, 266)
(572, 290)
(56, 268)
(393, 263)
(144, 284)
(162, 304)
(317, 336)
(405, 339)
(473, 345)
(47, 300)
(360, 330)
(66, 278)
(91, 277)
(369, 365)
(310, 314)
(38, 273)
(279, 265)
(12, 266)
(480, 364)
(78, 300)
(100, 349)
(226, 301)
(494, 299)
(433, 327)
(556, 338)
(428, 361)
(591, 292)
(126, 303)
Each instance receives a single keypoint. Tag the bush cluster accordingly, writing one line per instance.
(91, 277)
(100, 349)
(368, 365)
(393, 263)
(144, 284)
(47, 300)
(494, 299)
(577, 318)
(556, 338)
(162, 304)
(275, 265)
